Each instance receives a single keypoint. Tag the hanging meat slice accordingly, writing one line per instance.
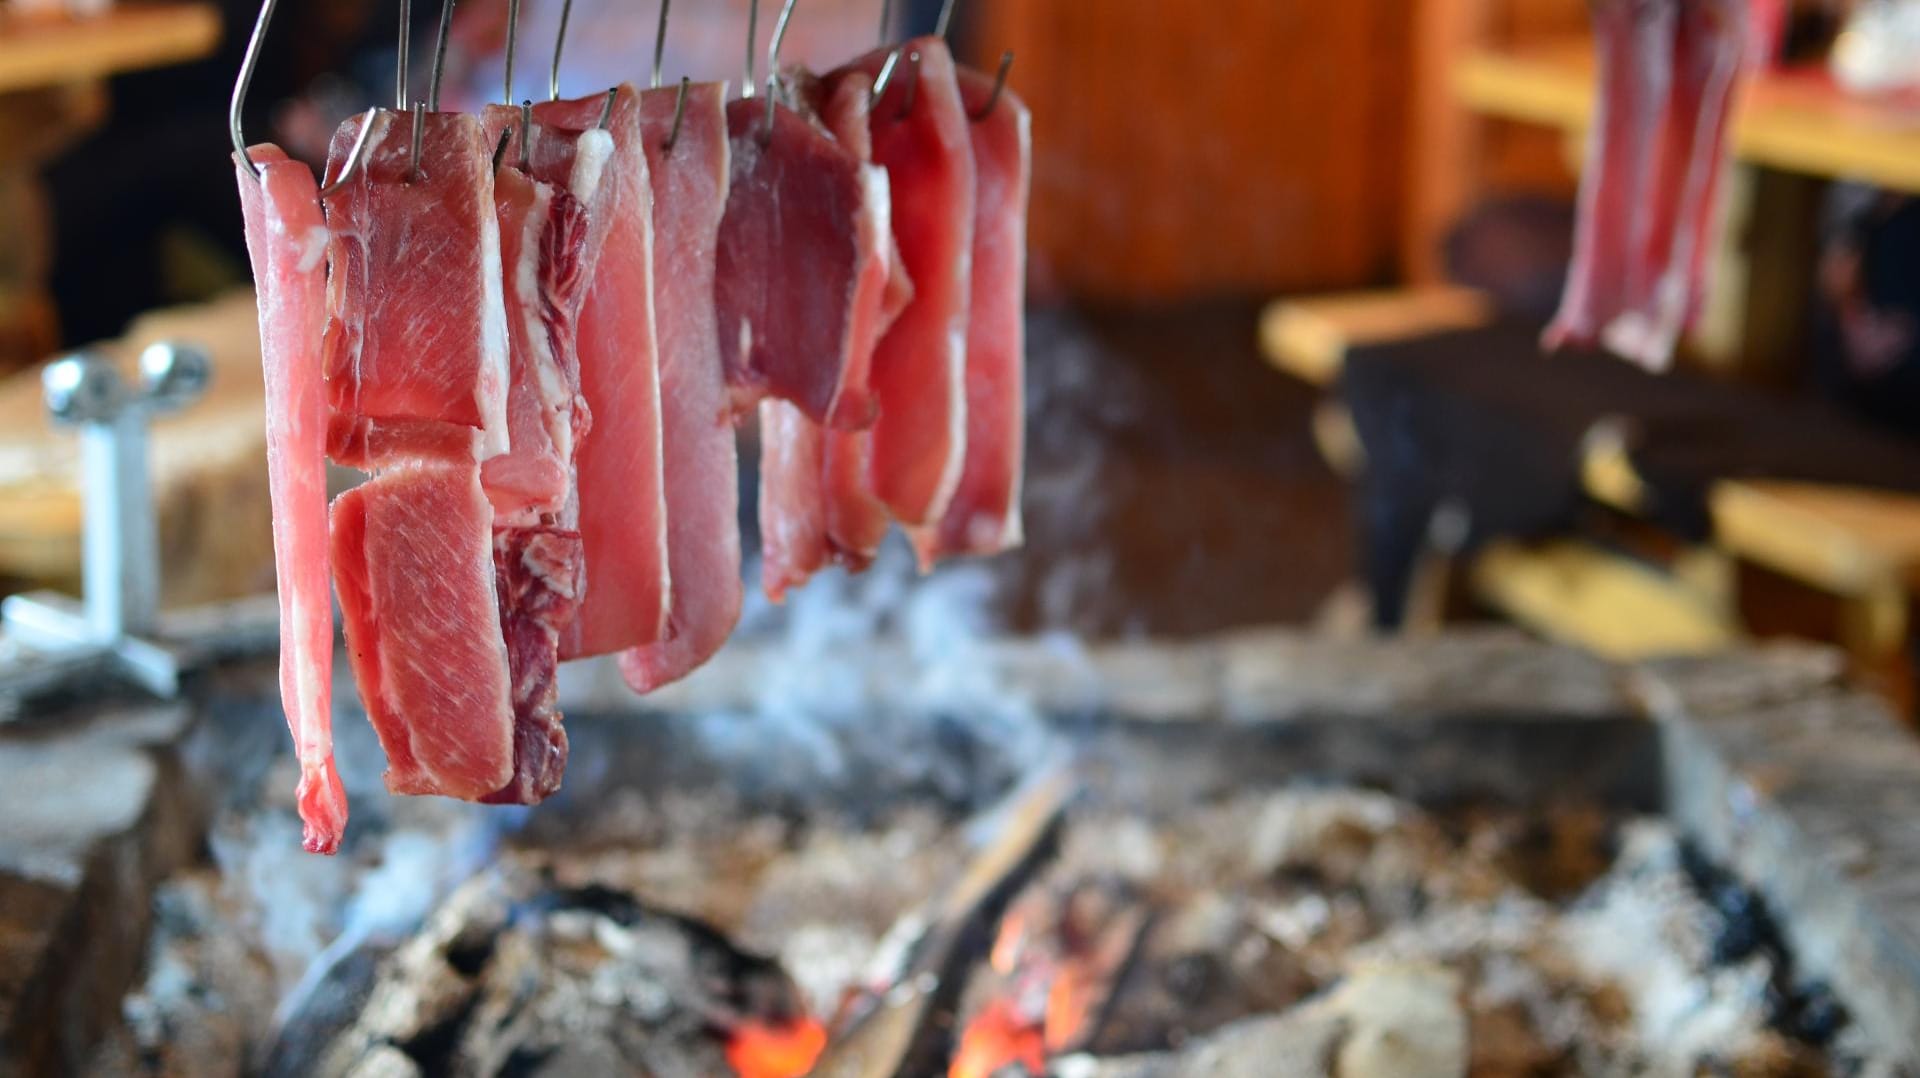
(1667, 74)
(817, 504)
(549, 247)
(623, 509)
(793, 521)
(287, 241)
(413, 564)
(920, 137)
(417, 324)
(791, 259)
(984, 516)
(689, 166)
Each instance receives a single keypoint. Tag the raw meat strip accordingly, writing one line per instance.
(920, 137)
(545, 265)
(1710, 47)
(1668, 71)
(702, 469)
(1626, 117)
(984, 516)
(539, 561)
(791, 259)
(793, 522)
(413, 564)
(287, 241)
(618, 464)
(848, 520)
(538, 575)
(417, 322)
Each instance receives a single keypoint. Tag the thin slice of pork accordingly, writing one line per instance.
(690, 180)
(983, 517)
(791, 260)
(413, 563)
(619, 463)
(920, 137)
(417, 322)
(287, 242)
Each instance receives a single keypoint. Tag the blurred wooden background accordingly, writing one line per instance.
(1256, 146)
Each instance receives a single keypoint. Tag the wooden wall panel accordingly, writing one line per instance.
(1236, 146)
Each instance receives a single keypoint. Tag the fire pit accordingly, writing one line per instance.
(983, 857)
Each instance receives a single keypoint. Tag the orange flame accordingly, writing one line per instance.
(767, 1050)
(998, 1036)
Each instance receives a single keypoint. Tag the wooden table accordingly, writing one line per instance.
(1796, 121)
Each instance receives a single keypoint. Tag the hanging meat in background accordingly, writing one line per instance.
(623, 509)
(287, 242)
(417, 363)
(689, 161)
(983, 517)
(791, 260)
(817, 503)
(919, 130)
(1668, 71)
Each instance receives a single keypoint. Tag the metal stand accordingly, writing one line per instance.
(60, 639)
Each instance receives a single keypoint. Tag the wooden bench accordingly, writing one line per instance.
(1861, 547)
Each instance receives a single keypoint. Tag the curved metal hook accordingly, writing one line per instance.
(946, 19)
(886, 78)
(419, 134)
(773, 68)
(356, 157)
(439, 55)
(526, 134)
(659, 45)
(999, 87)
(753, 34)
(559, 45)
(400, 70)
(245, 80)
(913, 85)
(679, 114)
(886, 21)
(606, 110)
(500, 150)
(513, 39)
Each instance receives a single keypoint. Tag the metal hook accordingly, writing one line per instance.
(606, 110)
(753, 34)
(500, 151)
(886, 21)
(419, 133)
(400, 69)
(356, 157)
(513, 39)
(559, 45)
(659, 45)
(439, 55)
(679, 114)
(999, 87)
(886, 77)
(946, 18)
(773, 68)
(526, 134)
(245, 80)
(913, 85)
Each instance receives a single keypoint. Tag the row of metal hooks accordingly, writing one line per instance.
(357, 153)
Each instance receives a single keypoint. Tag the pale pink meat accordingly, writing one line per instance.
(1668, 71)
(702, 470)
(983, 517)
(790, 262)
(618, 464)
(920, 137)
(793, 521)
(413, 563)
(287, 239)
(417, 323)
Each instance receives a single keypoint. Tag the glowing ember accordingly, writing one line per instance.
(1008, 946)
(1069, 1006)
(1000, 1036)
(765, 1050)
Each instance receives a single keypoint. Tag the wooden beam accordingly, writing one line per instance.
(37, 51)
(1309, 337)
(1609, 604)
